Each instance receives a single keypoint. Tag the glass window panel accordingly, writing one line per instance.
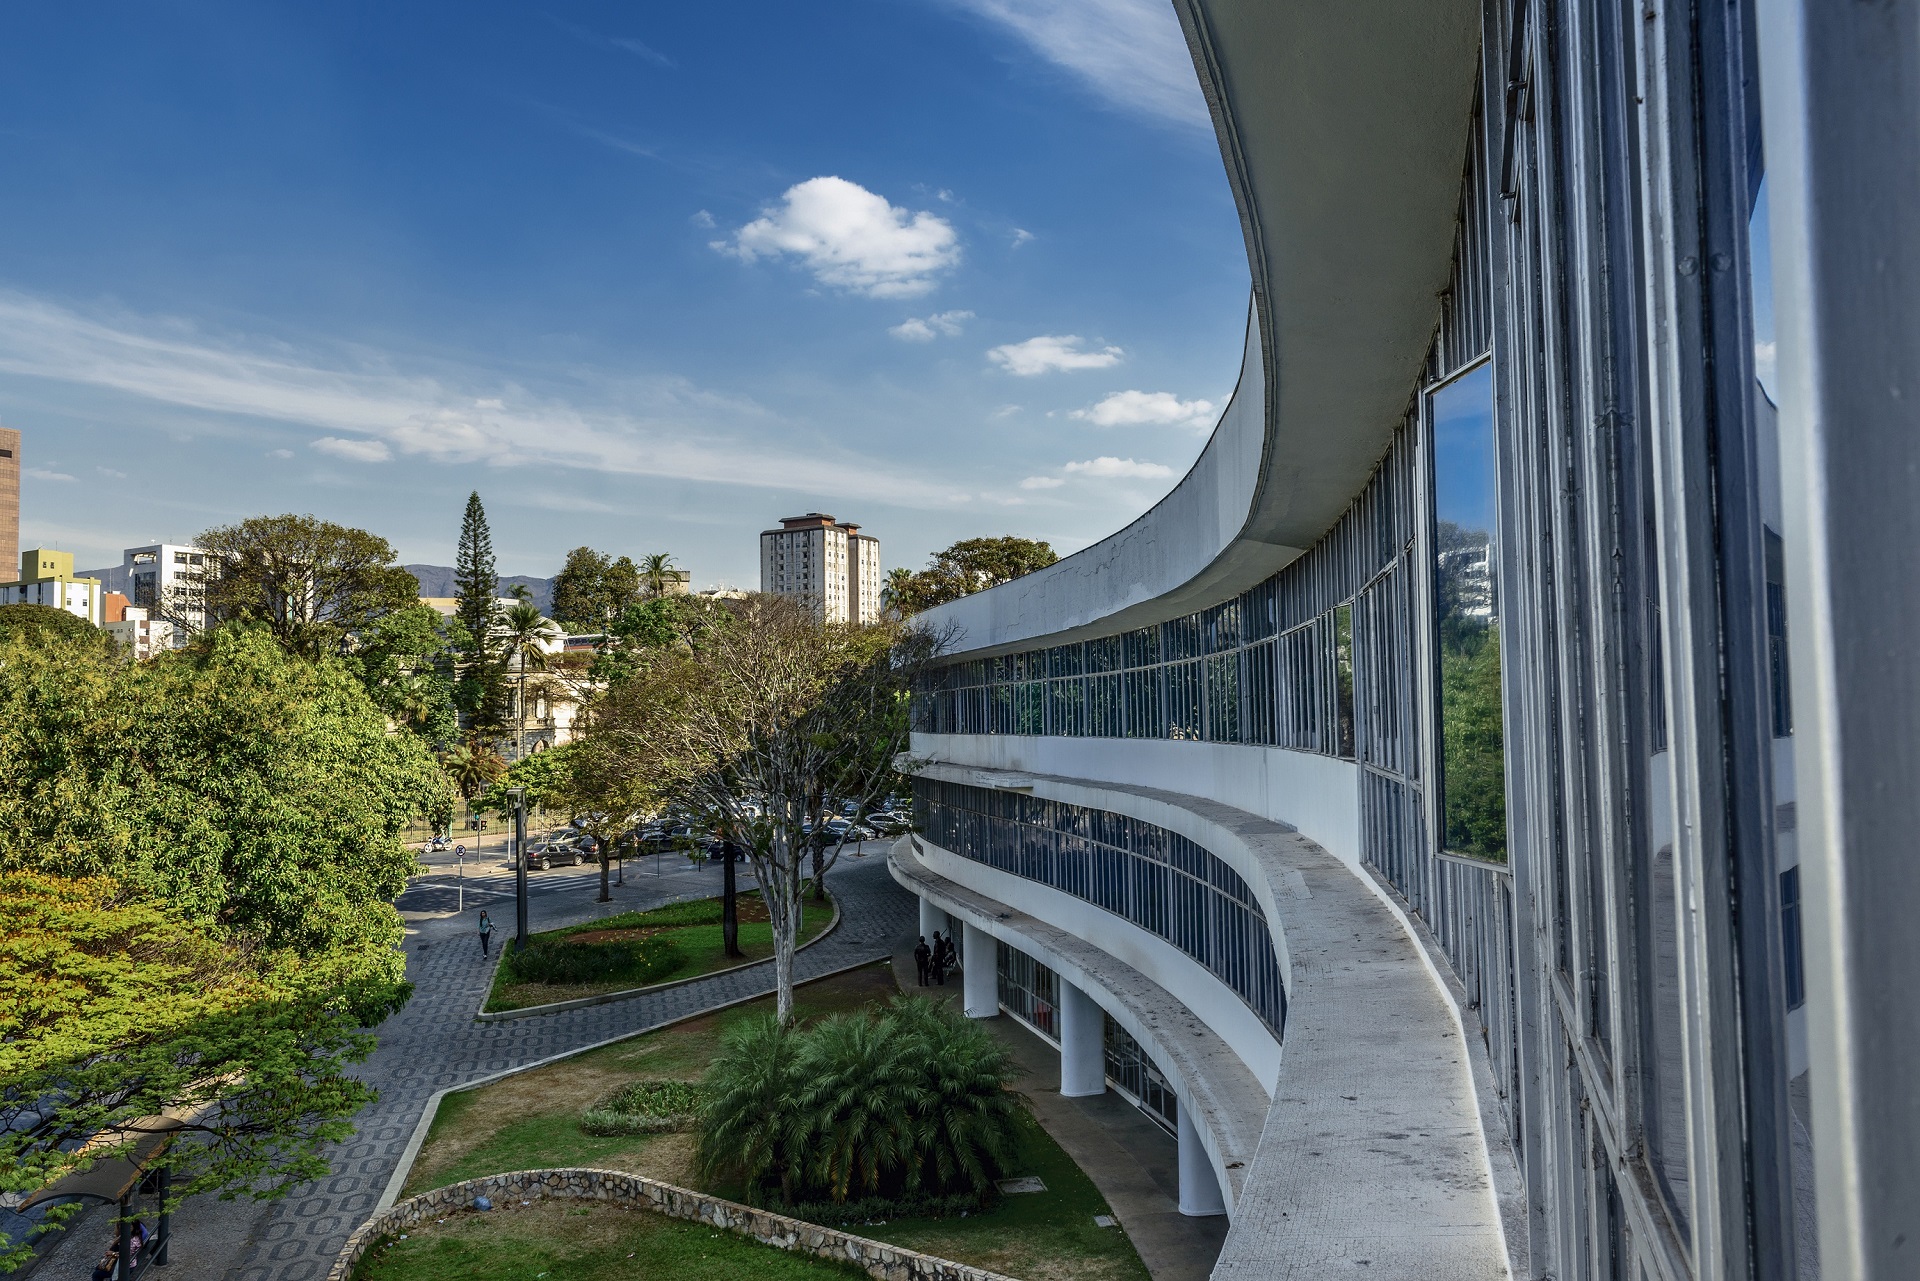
(1466, 614)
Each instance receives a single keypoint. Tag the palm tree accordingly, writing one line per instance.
(897, 592)
(656, 572)
(473, 766)
(528, 633)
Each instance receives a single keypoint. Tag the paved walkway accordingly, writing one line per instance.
(1134, 1163)
(435, 1043)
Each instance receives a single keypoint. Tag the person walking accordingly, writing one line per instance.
(923, 959)
(486, 931)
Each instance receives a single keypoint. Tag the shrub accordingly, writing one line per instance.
(911, 1103)
(556, 961)
(645, 1107)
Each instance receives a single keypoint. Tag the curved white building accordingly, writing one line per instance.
(1405, 808)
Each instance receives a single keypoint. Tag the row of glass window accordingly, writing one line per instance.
(1247, 685)
(1157, 879)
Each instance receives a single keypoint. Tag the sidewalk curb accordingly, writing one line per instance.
(607, 998)
(431, 1108)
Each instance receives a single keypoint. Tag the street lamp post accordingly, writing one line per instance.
(517, 796)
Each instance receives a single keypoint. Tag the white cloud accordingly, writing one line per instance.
(1148, 408)
(704, 219)
(851, 238)
(1021, 236)
(1129, 52)
(1766, 368)
(1050, 352)
(354, 451)
(42, 473)
(1042, 482)
(110, 472)
(662, 426)
(1108, 467)
(939, 323)
(1006, 411)
(489, 402)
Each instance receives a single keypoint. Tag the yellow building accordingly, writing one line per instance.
(47, 578)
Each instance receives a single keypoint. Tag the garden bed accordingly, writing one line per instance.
(633, 950)
(570, 1241)
(533, 1120)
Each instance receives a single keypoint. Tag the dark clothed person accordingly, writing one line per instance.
(923, 960)
(486, 932)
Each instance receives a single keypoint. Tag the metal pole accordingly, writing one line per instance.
(519, 798)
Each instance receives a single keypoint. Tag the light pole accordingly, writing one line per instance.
(517, 796)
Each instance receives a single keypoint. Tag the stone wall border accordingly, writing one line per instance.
(879, 1260)
(624, 994)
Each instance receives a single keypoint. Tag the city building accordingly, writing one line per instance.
(1472, 811)
(828, 563)
(47, 578)
(168, 580)
(139, 634)
(9, 502)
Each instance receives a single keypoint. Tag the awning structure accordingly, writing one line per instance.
(137, 1142)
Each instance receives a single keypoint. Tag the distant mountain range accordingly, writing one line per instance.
(437, 580)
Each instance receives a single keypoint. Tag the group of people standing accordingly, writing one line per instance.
(932, 961)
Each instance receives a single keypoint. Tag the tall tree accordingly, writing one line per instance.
(481, 688)
(658, 576)
(757, 727)
(592, 589)
(968, 566)
(527, 634)
(314, 584)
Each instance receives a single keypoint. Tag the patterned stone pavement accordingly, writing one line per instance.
(435, 1043)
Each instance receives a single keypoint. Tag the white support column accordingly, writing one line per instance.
(1083, 1044)
(931, 919)
(1199, 1190)
(977, 970)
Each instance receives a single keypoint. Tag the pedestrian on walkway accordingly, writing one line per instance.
(486, 931)
(923, 959)
(939, 959)
(948, 957)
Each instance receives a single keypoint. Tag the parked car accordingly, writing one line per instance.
(566, 851)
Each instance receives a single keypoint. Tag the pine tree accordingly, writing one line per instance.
(474, 581)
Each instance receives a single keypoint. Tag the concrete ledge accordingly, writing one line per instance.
(879, 1260)
(624, 994)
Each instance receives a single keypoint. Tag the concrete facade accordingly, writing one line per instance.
(829, 564)
(1613, 951)
(47, 578)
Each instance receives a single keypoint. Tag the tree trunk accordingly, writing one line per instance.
(730, 901)
(819, 870)
(606, 860)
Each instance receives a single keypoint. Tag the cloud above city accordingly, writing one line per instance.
(1052, 353)
(1107, 467)
(850, 239)
(1148, 409)
(371, 411)
(942, 324)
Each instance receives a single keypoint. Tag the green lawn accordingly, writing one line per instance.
(695, 931)
(575, 1241)
(531, 1121)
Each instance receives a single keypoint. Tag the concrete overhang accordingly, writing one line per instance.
(1344, 129)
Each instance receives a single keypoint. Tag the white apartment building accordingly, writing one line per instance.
(47, 578)
(824, 561)
(167, 580)
(140, 634)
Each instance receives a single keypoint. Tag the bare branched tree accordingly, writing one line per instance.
(757, 730)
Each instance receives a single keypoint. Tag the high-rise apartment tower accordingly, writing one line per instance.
(829, 563)
(9, 503)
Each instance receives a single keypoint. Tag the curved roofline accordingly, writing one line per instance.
(1343, 130)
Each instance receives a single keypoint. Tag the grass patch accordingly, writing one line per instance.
(579, 1241)
(636, 949)
(533, 1120)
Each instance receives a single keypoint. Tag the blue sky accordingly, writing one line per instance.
(647, 277)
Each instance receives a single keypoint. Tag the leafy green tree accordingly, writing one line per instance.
(36, 623)
(750, 729)
(652, 627)
(473, 766)
(313, 584)
(658, 575)
(405, 659)
(480, 691)
(115, 1008)
(592, 589)
(253, 791)
(968, 566)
